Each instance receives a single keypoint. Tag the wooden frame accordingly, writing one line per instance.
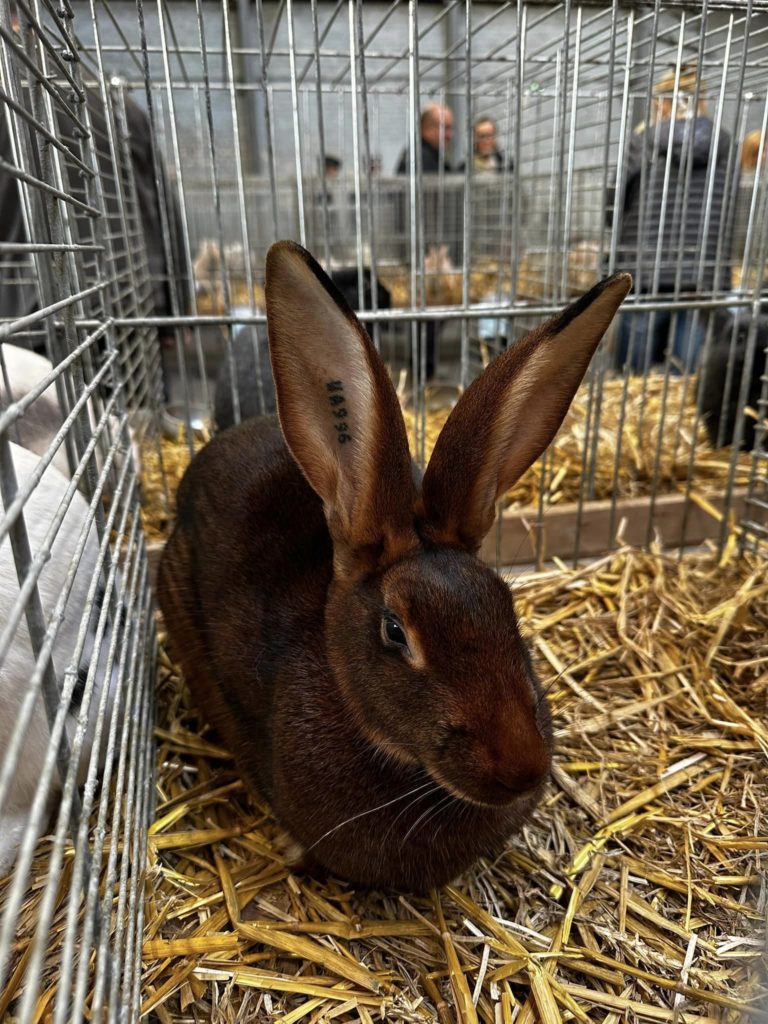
(676, 522)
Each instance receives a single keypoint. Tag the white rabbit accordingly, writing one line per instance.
(43, 419)
(18, 666)
(39, 424)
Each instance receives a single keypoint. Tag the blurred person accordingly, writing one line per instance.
(725, 363)
(486, 155)
(687, 144)
(331, 166)
(436, 130)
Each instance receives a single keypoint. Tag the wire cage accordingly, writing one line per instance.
(149, 154)
(481, 255)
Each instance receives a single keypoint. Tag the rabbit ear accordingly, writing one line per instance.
(507, 417)
(337, 407)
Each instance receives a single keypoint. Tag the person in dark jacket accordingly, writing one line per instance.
(436, 127)
(670, 242)
(18, 291)
(166, 266)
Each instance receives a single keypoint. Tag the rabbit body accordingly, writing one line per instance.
(715, 374)
(330, 613)
(42, 420)
(268, 563)
(18, 666)
(251, 358)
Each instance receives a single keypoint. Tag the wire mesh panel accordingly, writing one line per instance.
(78, 392)
(618, 141)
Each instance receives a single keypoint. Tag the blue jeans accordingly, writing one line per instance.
(650, 336)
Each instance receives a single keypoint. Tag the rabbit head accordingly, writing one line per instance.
(437, 260)
(421, 637)
(429, 658)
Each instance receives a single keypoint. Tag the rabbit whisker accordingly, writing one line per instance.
(435, 817)
(430, 811)
(363, 814)
(558, 677)
(410, 804)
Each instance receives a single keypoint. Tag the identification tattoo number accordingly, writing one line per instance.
(335, 389)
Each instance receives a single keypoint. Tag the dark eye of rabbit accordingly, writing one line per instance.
(392, 632)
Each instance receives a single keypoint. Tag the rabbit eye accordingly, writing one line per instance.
(392, 632)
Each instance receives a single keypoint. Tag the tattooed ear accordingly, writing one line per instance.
(337, 406)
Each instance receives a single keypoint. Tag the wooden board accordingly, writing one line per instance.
(675, 523)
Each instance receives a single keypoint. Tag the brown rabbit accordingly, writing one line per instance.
(328, 607)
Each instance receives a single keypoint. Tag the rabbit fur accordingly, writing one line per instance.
(328, 607)
(43, 419)
(720, 419)
(18, 666)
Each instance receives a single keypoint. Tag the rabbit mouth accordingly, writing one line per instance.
(491, 793)
(479, 770)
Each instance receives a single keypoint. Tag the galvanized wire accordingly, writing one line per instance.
(81, 219)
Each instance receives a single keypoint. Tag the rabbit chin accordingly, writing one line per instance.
(485, 793)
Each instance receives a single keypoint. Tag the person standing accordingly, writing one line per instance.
(436, 132)
(661, 236)
(166, 270)
(486, 155)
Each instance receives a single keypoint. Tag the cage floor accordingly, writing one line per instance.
(637, 892)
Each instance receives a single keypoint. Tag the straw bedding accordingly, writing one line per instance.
(442, 284)
(637, 891)
(659, 439)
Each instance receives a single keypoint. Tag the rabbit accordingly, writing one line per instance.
(251, 359)
(206, 267)
(328, 607)
(43, 419)
(347, 280)
(442, 280)
(249, 365)
(17, 667)
(714, 377)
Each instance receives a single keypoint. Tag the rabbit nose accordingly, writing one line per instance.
(522, 761)
(520, 779)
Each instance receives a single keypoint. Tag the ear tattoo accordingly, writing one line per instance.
(339, 411)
